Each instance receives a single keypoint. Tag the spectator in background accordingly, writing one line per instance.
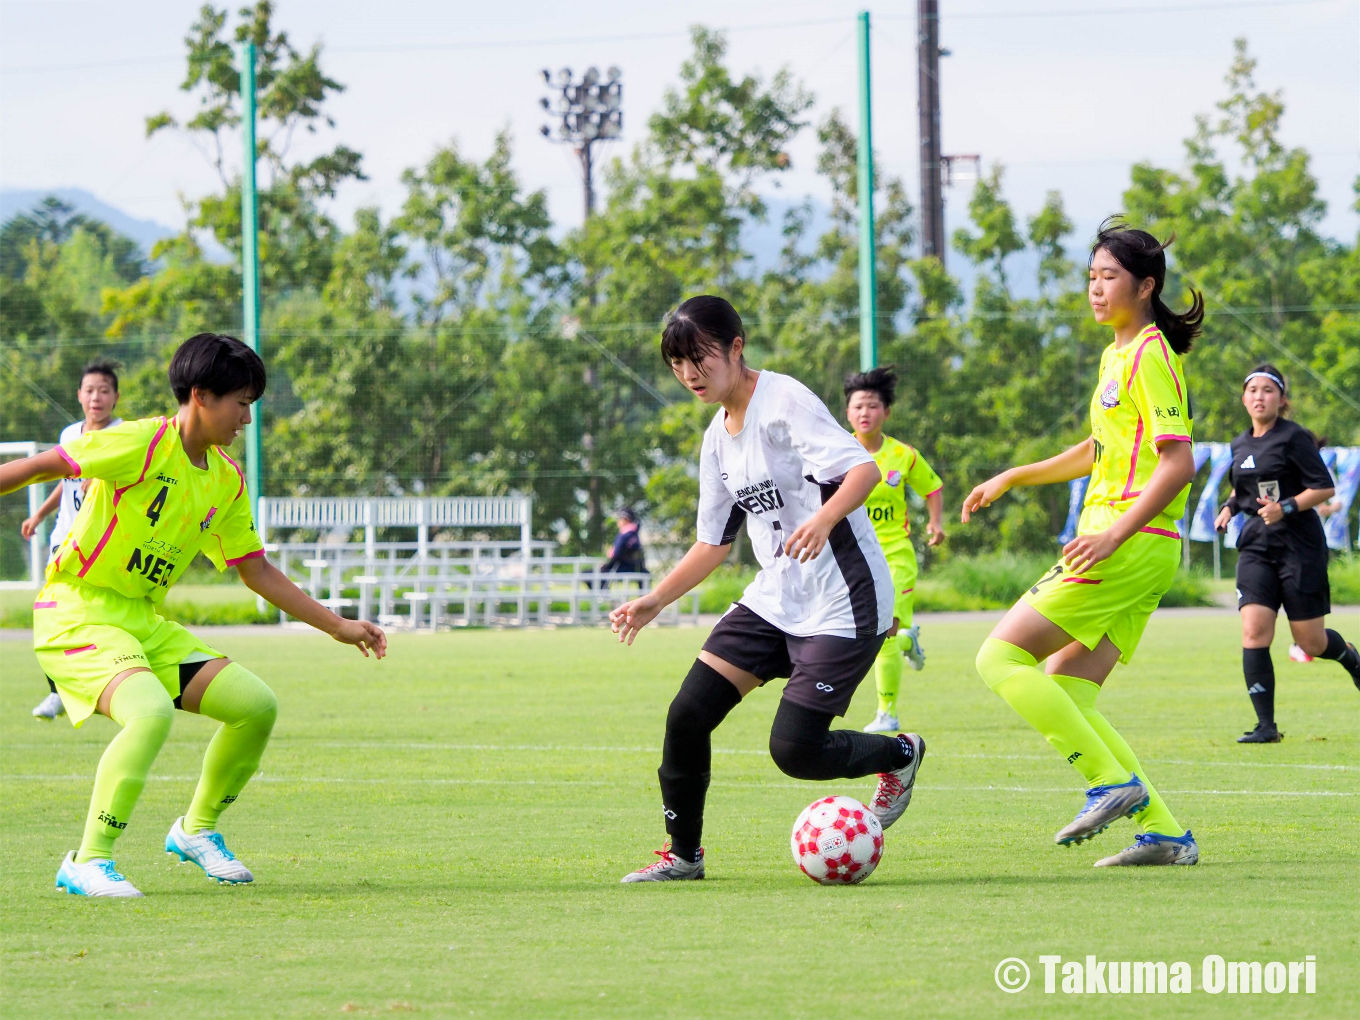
(627, 556)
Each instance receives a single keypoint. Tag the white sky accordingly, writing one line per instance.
(1064, 93)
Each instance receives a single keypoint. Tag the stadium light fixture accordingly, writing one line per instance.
(587, 111)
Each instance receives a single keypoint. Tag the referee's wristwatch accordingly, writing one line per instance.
(1288, 505)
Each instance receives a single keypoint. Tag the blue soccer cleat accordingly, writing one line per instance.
(94, 878)
(209, 852)
(1154, 848)
(1104, 804)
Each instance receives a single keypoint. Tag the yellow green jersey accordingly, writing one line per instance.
(901, 466)
(1141, 399)
(149, 511)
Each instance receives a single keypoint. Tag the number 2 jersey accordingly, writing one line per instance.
(149, 511)
(789, 458)
(1141, 400)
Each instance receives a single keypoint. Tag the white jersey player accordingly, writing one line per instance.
(98, 396)
(817, 612)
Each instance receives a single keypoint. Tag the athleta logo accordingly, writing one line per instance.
(1250, 462)
(207, 521)
(110, 821)
(229, 798)
(1109, 397)
(1073, 757)
(760, 497)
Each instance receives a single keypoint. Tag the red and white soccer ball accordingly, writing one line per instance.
(837, 841)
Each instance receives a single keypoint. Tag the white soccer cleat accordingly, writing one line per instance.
(916, 655)
(1298, 654)
(94, 878)
(894, 788)
(209, 852)
(669, 869)
(49, 708)
(884, 722)
(1152, 848)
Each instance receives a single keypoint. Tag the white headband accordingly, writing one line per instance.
(1264, 375)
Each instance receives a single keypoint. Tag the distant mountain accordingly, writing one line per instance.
(145, 232)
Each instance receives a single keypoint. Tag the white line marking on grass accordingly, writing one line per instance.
(437, 781)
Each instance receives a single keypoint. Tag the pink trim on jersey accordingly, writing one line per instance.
(239, 473)
(929, 494)
(1128, 492)
(1161, 531)
(69, 460)
(1174, 378)
(85, 564)
(44, 605)
(1080, 580)
(1171, 435)
(248, 556)
(82, 648)
(146, 466)
(1137, 357)
(907, 591)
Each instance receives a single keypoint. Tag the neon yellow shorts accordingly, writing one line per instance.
(904, 571)
(1116, 597)
(84, 636)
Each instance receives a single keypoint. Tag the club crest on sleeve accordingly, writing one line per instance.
(207, 521)
(894, 478)
(1109, 396)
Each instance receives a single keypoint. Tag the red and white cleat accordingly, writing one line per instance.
(894, 788)
(669, 869)
(1298, 654)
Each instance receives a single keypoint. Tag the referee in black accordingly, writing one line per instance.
(1278, 478)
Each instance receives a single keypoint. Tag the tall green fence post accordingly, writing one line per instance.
(250, 263)
(868, 290)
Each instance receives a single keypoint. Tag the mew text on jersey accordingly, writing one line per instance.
(1217, 976)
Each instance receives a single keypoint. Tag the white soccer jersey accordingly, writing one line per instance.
(72, 489)
(789, 458)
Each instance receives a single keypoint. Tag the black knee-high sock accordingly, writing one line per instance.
(1259, 671)
(1340, 651)
(51, 685)
(804, 746)
(703, 701)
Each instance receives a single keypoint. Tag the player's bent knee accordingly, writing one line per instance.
(798, 741)
(238, 697)
(998, 660)
(142, 700)
(703, 701)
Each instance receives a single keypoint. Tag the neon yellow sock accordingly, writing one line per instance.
(247, 709)
(888, 675)
(1014, 674)
(142, 707)
(1156, 817)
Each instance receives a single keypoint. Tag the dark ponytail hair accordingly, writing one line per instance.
(701, 326)
(1277, 377)
(882, 381)
(1143, 256)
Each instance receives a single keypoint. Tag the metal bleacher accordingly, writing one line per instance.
(432, 582)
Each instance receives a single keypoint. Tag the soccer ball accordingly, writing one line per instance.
(837, 841)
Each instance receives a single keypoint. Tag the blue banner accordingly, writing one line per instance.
(1076, 497)
(1344, 463)
(1220, 460)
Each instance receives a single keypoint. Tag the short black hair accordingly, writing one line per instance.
(101, 366)
(217, 363)
(701, 326)
(882, 381)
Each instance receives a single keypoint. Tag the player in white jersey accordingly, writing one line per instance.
(98, 396)
(816, 613)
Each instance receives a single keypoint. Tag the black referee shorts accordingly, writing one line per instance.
(823, 671)
(1294, 579)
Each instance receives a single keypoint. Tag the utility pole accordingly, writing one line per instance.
(250, 264)
(868, 275)
(590, 111)
(928, 113)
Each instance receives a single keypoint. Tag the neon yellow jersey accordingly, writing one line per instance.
(901, 466)
(148, 510)
(1141, 399)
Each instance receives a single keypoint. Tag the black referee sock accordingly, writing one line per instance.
(1259, 671)
(804, 746)
(703, 701)
(1338, 649)
(51, 685)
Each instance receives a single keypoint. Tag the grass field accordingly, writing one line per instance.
(443, 833)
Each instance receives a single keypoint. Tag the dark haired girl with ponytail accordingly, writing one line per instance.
(1278, 478)
(1089, 611)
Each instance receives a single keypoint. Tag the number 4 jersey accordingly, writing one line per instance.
(775, 474)
(148, 510)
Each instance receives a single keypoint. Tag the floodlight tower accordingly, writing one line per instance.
(589, 111)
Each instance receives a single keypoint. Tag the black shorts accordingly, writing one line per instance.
(823, 671)
(1295, 579)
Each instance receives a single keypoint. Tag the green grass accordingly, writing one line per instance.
(443, 832)
(213, 605)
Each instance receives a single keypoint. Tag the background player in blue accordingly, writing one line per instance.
(1278, 477)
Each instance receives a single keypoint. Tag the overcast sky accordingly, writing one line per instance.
(1065, 93)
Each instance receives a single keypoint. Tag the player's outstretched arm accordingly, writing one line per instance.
(701, 560)
(43, 467)
(1074, 462)
(272, 584)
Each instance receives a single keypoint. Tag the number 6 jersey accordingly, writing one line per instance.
(789, 458)
(148, 510)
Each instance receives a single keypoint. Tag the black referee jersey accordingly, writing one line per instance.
(1275, 466)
